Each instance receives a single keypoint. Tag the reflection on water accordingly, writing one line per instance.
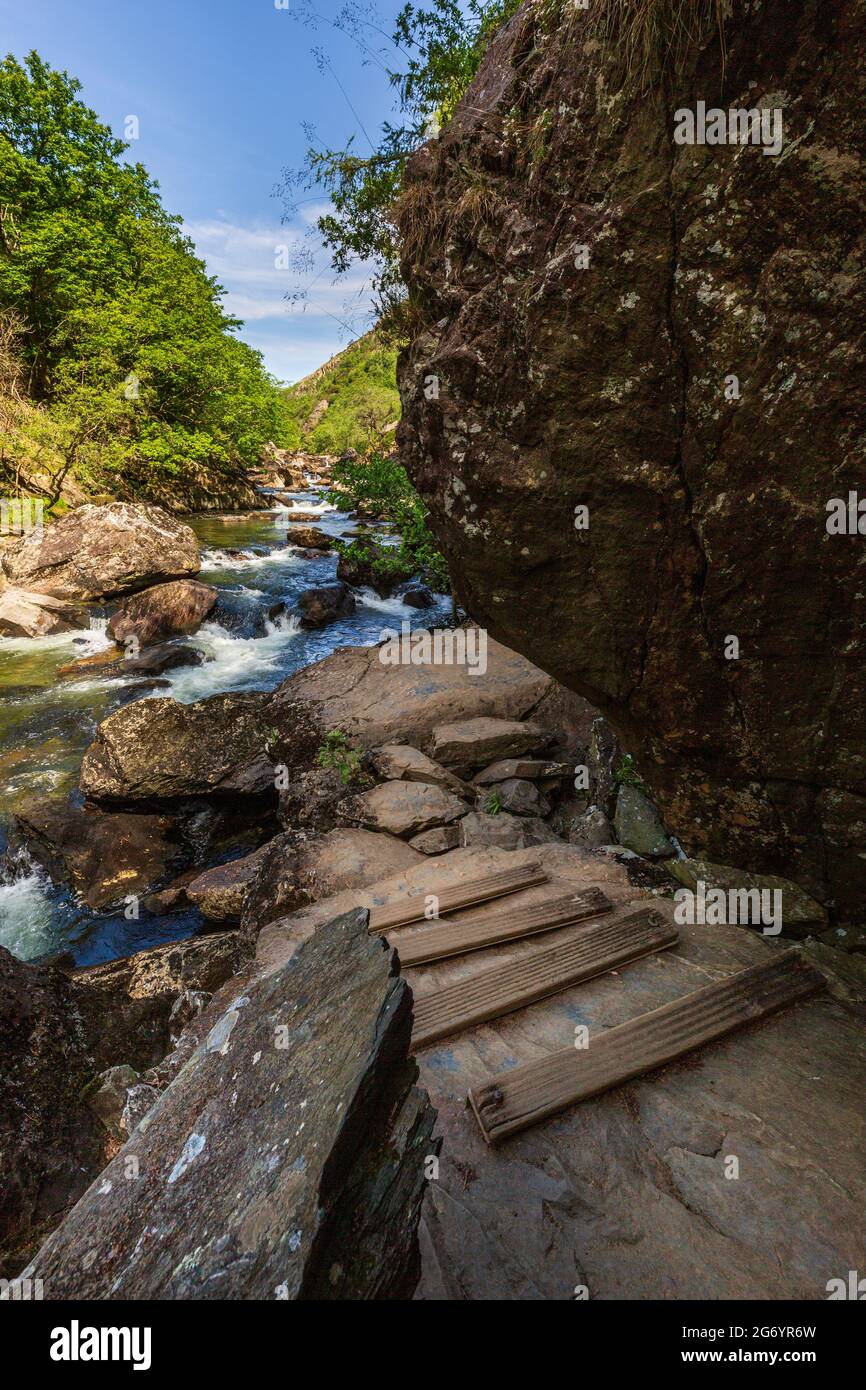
(47, 722)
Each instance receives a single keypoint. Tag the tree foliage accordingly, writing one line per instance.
(436, 52)
(119, 327)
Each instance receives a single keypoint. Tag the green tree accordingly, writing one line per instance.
(119, 323)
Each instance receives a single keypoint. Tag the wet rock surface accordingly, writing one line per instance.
(156, 750)
(327, 1209)
(164, 610)
(583, 333)
(104, 856)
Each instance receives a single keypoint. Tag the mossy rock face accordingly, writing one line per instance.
(598, 381)
(800, 913)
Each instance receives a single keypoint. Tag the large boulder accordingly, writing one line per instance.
(294, 870)
(303, 1182)
(158, 750)
(98, 552)
(649, 392)
(165, 610)
(26, 614)
(105, 856)
(375, 703)
(325, 604)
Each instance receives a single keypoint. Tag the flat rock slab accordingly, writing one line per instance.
(531, 769)
(626, 1194)
(377, 704)
(237, 1196)
(26, 614)
(472, 743)
(398, 762)
(405, 808)
(503, 829)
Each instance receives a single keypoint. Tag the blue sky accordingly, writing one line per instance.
(221, 89)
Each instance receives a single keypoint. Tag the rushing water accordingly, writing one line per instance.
(47, 722)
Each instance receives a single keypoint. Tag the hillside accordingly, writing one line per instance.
(347, 403)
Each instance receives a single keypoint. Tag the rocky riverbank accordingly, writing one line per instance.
(256, 816)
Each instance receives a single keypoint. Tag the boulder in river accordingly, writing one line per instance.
(158, 750)
(167, 656)
(105, 856)
(101, 552)
(163, 610)
(324, 605)
(27, 614)
(310, 538)
(273, 1208)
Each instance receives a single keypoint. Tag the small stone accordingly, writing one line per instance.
(638, 824)
(437, 841)
(591, 830)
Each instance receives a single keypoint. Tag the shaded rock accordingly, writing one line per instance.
(220, 893)
(25, 614)
(603, 757)
(638, 824)
(310, 801)
(472, 743)
(437, 841)
(404, 808)
(503, 830)
(592, 829)
(107, 1097)
(377, 704)
(800, 913)
(528, 769)
(98, 552)
(325, 605)
(168, 656)
(58, 1032)
(397, 762)
(419, 596)
(296, 870)
(275, 1210)
(105, 856)
(161, 750)
(310, 538)
(165, 610)
(189, 1004)
(162, 973)
(605, 302)
(515, 795)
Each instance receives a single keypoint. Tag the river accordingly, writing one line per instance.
(46, 722)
